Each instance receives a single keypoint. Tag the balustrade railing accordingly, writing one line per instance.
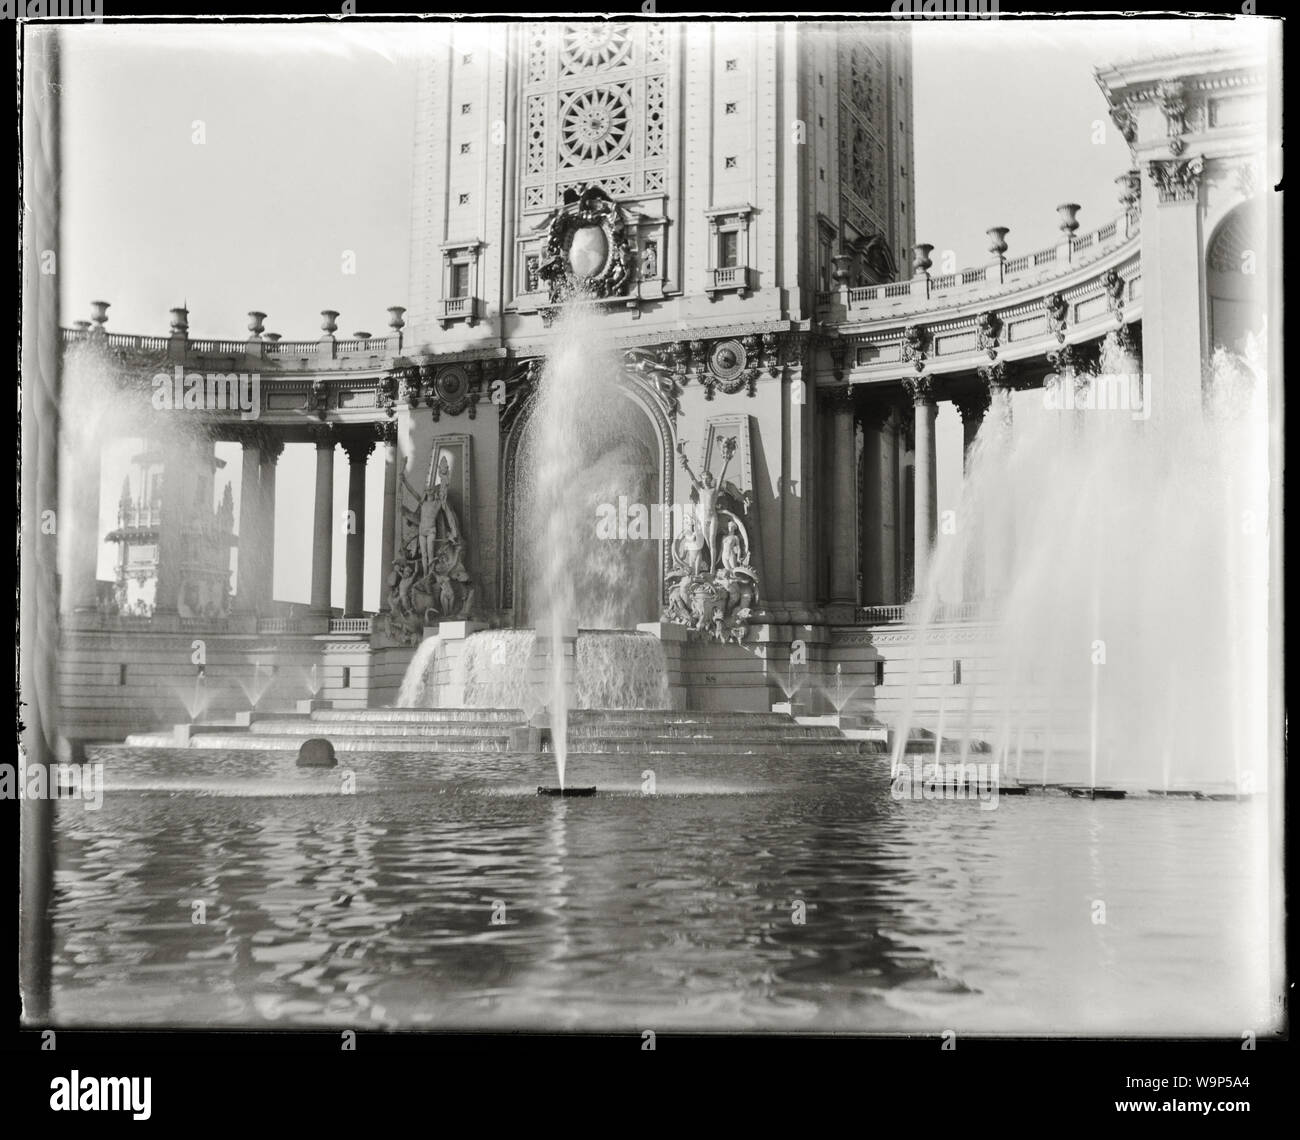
(350, 625)
(909, 613)
(139, 517)
(972, 278)
(291, 347)
(278, 625)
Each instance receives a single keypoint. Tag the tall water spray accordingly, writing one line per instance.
(1127, 563)
(572, 452)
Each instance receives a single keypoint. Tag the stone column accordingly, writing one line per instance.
(925, 520)
(176, 513)
(996, 565)
(1173, 325)
(906, 497)
(270, 448)
(250, 525)
(387, 433)
(890, 527)
(843, 583)
(971, 407)
(323, 522)
(358, 449)
(878, 513)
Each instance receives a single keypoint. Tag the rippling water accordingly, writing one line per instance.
(632, 911)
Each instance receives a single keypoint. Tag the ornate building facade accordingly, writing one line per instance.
(734, 206)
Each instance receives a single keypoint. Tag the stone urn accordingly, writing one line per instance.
(329, 321)
(921, 257)
(1069, 217)
(998, 240)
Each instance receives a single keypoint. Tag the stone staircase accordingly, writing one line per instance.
(640, 731)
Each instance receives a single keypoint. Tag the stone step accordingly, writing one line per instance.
(250, 742)
(704, 732)
(422, 716)
(336, 728)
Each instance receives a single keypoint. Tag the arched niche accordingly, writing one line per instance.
(1236, 268)
(620, 580)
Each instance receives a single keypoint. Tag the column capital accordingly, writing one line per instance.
(385, 432)
(997, 376)
(271, 446)
(324, 436)
(1177, 179)
(972, 405)
(921, 389)
(1064, 359)
(358, 447)
(258, 437)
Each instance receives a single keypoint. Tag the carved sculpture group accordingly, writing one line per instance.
(713, 586)
(428, 581)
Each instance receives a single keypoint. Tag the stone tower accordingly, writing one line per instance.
(760, 160)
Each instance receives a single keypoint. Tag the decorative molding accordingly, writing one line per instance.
(988, 333)
(1058, 315)
(1114, 285)
(1171, 94)
(916, 346)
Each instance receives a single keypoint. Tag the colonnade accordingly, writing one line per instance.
(881, 477)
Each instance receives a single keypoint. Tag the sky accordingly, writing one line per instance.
(231, 170)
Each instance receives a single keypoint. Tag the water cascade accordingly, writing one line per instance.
(417, 683)
(1127, 564)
